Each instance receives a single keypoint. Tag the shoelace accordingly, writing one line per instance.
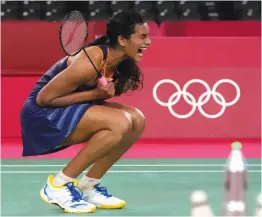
(76, 193)
(102, 190)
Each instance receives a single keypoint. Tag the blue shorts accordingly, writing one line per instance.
(44, 129)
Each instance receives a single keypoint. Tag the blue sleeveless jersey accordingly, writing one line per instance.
(44, 129)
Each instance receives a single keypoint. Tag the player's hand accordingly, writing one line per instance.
(105, 92)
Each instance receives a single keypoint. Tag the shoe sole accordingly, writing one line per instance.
(43, 197)
(113, 206)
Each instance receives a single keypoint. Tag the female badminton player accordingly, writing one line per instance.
(68, 106)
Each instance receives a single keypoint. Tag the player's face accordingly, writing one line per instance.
(138, 42)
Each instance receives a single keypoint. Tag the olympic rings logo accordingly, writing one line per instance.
(191, 100)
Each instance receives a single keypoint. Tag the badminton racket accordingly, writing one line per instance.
(73, 35)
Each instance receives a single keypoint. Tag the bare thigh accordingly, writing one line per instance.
(137, 116)
(97, 118)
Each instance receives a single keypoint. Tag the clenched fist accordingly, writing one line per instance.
(105, 92)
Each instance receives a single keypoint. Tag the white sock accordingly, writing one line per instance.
(87, 182)
(61, 179)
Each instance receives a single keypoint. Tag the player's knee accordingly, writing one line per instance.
(124, 123)
(138, 119)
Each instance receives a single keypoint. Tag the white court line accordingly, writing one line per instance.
(134, 171)
(131, 165)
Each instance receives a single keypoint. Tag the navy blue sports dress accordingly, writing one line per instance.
(44, 129)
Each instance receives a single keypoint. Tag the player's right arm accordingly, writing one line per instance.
(58, 92)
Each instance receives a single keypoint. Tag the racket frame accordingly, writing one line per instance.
(99, 74)
(61, 27)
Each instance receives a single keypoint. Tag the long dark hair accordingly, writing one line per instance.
(123, 23)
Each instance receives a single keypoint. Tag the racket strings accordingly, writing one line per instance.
(73, 33)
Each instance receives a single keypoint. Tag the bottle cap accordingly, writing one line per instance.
(236, 146)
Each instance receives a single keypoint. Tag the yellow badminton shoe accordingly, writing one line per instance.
(68, 197)
(99, 196)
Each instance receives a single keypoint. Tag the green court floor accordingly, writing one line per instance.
(155, 187)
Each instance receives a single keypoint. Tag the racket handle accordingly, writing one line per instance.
(103, 81)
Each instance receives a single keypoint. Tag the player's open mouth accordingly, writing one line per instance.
(140, 51)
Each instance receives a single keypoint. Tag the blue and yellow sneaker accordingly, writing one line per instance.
(99, 196)
(68, 197)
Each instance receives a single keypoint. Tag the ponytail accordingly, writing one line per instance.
(99, 41)
(131, 77)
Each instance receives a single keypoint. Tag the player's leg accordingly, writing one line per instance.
(103, 128)
(138, 120)
(90, 182)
